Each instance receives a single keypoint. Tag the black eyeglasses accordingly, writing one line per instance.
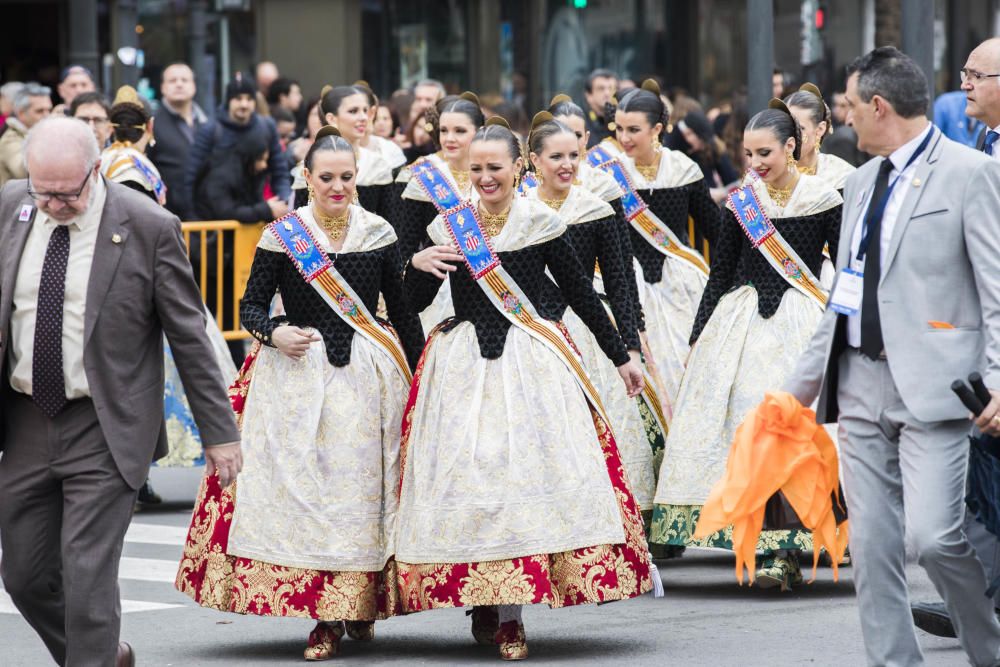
(973, 75)
(64, 197)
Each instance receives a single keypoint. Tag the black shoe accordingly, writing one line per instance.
(933, 618)
(147, 496)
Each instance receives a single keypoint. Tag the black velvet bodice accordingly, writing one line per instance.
(368, 273)
(737, 263)
(410, 218)
(600, 241)
(527, 267)
(673, 206)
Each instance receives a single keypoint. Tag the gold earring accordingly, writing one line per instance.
(791, 162)
(656, 144)
(517, 180)
(312, 193)
(819, 142)
(539, 178)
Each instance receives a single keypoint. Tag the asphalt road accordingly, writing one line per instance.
(704, 619)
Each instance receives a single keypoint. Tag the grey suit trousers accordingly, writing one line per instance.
(905, 479)
(64, 510)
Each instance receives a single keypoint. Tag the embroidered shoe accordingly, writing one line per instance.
(485, 622)
(512, 641)
(324, 641)
(362, 631)
(783, 572)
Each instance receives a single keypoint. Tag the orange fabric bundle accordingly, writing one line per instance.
(778, 447)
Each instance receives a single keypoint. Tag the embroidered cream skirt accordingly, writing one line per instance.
(670, 307)
(626, 420)
(738, 357)
(320, 460)
(439, 310)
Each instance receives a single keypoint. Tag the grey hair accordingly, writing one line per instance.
(70, 131)
(10, 89)
(23, 98)
(893, 75)
(431, 83)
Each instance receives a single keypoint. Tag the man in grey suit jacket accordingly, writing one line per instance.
(925, 311)
(92, 275)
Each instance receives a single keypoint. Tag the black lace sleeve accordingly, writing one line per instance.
(833, 225)
(419, 287)
(255, 306)
(625, 241)
(410, 219)
(579, 293)
(376, 198)
(720, 278)
(402, 317)
(616, 271)
(704, 210)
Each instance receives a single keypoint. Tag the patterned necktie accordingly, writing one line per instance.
(48, 386)
(991, 138)
(871, 325)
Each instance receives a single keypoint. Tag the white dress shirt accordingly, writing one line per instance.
(899, 158)
(82, 237)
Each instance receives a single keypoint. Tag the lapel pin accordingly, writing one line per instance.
(916, 182)
(25, 214)
(116, 238)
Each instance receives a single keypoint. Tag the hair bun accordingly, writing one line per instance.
(327, 131)
(362, 83)
(541, 117)
(775, 103)
(651, 86)
(497, 120)
(561, 97)
(327, 88)
(127, 95)
(811, 88)
(470, 96)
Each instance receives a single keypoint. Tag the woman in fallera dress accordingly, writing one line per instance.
(673, 188)
(347, 109)
(760, 309)
(813, 116)
(512, 489)
(310, 528)
(453, 122)
(385, 147)
(125, 162)
(593, 229)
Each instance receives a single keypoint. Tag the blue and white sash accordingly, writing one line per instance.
(464, 226)
(649, 226)
(319, 272)
(436, 186)
(764, 236)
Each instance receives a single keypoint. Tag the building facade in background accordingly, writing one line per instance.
(525, 50)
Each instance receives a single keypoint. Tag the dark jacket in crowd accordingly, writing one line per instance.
(230, 190)
(218, 137)
(174, 138)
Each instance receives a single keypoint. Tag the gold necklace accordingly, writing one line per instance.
(649, 171)
(780, 196)
(493, 222)
(554, 204)
(461, 179)
(334, 225)
(809, 171)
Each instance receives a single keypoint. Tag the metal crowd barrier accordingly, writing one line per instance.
(222, 236)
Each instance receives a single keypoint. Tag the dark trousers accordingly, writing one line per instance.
(64, 510)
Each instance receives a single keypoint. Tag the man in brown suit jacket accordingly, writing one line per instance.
(92, 275)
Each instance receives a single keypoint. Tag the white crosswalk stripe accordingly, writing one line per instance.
(131, 568)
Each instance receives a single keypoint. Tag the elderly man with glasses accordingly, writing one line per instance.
(31, 104)
(92, 275)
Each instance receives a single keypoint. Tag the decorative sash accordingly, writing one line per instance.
(320, 273)
(436, 186)
(159, 188)
(599, 155)
(649, 226)
(764, 236)
(484, 264)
